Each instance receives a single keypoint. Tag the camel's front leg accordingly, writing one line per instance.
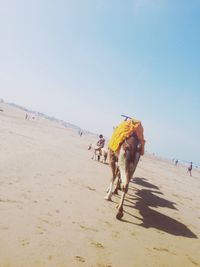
(127, 170)
(110, 189)
(124, 181)
(94, 154)
(120, 209)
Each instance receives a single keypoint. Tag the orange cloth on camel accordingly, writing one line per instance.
(125, 130)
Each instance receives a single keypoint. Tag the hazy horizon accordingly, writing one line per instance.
(181, 160)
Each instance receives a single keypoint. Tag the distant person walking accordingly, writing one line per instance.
(176, 162)
(80, 133)
(190, 169)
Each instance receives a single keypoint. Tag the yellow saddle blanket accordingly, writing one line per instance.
(125, 130)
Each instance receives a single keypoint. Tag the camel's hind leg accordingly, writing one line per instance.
(123, 173)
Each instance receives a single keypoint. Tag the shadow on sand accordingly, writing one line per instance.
(143, 182)
(144, 200)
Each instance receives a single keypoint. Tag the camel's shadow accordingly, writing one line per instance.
(144, 200)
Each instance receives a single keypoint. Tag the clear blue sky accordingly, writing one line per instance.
(89, 61)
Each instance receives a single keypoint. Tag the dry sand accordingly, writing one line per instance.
(53, 211)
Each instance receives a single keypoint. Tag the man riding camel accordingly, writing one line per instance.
(100, 143)
(98, 147)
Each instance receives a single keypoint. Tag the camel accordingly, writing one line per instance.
(123, 164)
(100, 155)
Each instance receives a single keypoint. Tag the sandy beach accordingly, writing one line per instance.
(53, 212)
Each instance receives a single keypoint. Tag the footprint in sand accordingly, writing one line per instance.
(24, 242)
(88, 228)
(90, 188)
(79, 258)
(192, 261)
(97, 245)
(164, 250)
(108, 223)
(41, 230)
(45, 221)
(4, 228)
(9, 201)
(115, 234)
(50, 258)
